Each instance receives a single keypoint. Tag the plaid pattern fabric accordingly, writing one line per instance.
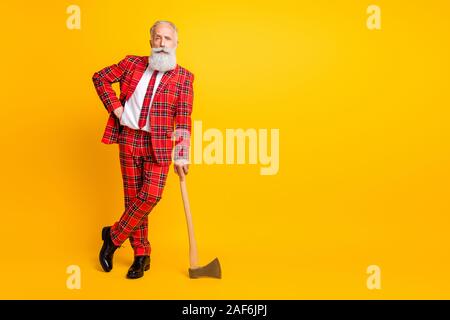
(147, 98)
(143, 182)
(171, 108)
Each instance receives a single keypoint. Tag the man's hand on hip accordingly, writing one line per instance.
(118, 112)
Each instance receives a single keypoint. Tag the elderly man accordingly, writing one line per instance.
(156, 95)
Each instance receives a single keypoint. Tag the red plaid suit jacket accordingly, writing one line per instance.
(172, 105)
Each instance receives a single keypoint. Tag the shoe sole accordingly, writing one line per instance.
(146, 268)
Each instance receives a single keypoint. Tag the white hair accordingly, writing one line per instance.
(152, 29)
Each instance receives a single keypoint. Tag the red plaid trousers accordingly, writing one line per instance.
(143, 182)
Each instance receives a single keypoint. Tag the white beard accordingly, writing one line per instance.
(163, 61)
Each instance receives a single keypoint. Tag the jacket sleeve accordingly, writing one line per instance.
(104, 78)
(183, 119)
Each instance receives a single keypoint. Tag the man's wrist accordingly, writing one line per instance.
(181, 161)
(116, 106)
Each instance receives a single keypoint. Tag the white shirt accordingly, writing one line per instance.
(133, 106)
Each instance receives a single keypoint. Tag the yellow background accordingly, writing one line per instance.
(364, 150)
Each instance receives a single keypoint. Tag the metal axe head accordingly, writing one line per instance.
(211, 270)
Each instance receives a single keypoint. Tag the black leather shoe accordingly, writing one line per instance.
(140, 264)
(107, 251)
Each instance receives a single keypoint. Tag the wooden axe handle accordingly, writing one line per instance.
(193, 255)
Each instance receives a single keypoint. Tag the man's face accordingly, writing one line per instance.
(164, 37)
(163, 52)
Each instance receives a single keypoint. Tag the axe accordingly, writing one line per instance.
(212, 269)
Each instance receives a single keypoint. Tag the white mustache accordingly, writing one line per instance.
(166, 50)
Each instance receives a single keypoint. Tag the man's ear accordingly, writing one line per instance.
(151, 44)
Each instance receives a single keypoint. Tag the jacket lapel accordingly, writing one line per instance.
(165, 79)
(137, 75)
